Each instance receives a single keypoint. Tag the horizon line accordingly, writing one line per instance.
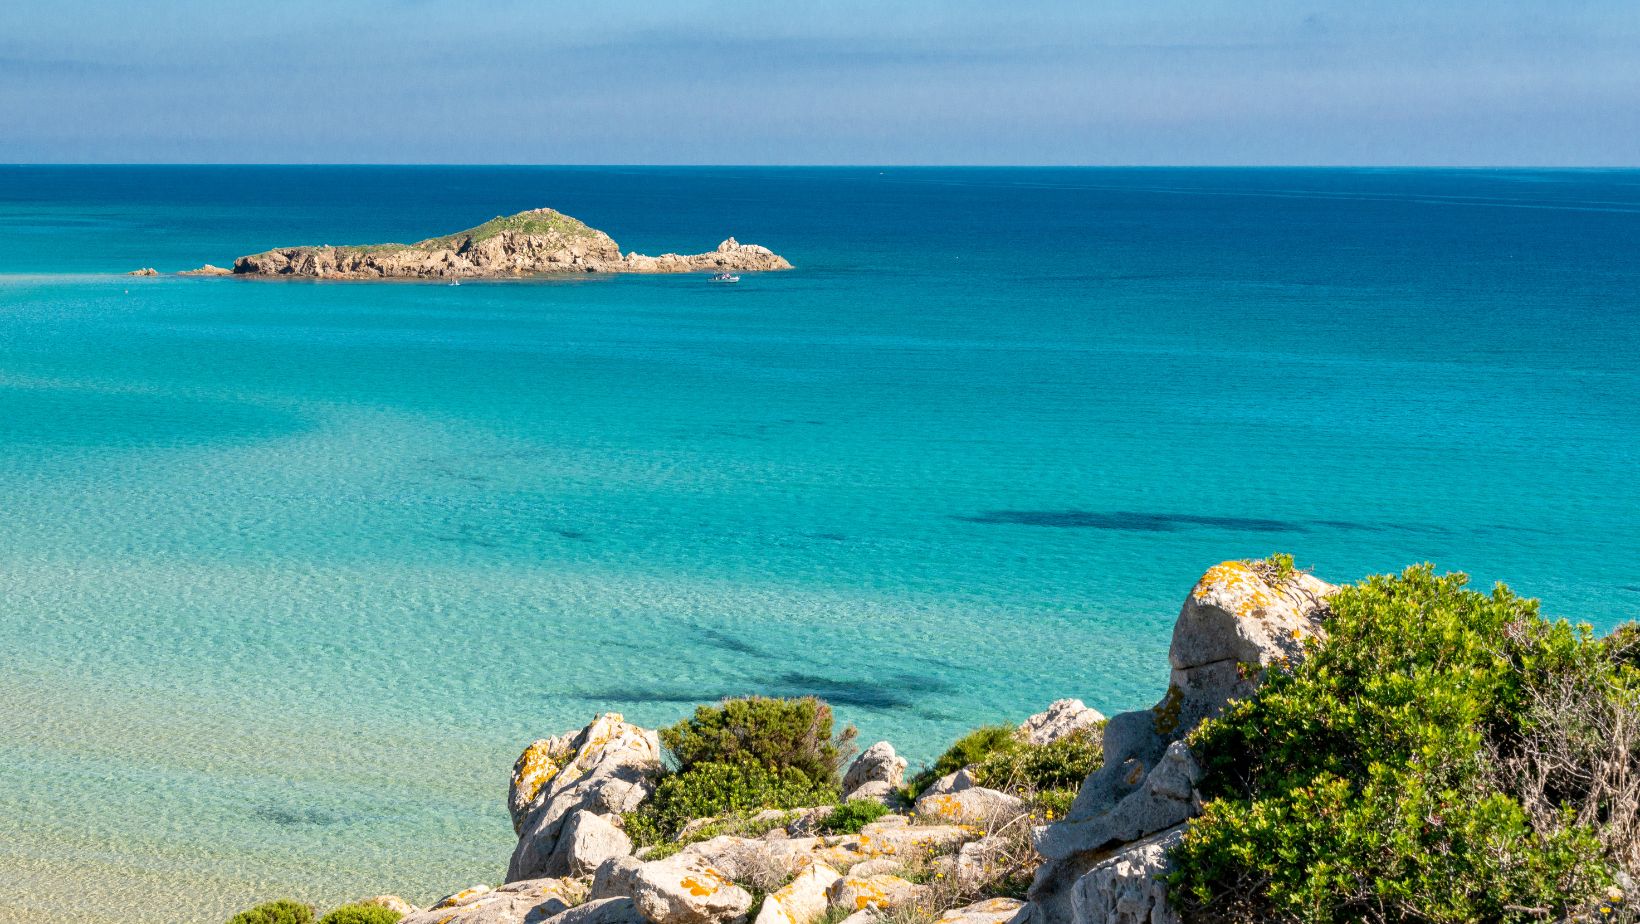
(801, 166)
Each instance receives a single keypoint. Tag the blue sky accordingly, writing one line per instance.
(822, 82)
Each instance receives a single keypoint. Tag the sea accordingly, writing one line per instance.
(290, 571)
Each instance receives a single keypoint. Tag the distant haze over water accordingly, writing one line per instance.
(290, 571)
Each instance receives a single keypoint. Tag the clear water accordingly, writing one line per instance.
(290, 571)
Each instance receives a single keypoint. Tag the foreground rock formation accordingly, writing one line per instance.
(1104, 863)
(538, 242)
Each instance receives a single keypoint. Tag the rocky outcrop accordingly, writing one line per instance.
(1240, 619)
(538, 242)
(1063, 717)
(606, 769)
(207, 270)
(687, 890)
(525, 902)
(990, 911)
(145, 271)
(1129, 887)
(857, 892)
(878, 773)
(590, 839)
(801, 901)
(975, 805)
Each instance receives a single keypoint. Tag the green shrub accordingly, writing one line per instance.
(1027, 769)
(711, 789)
(361, 913)
(283, 911)
(976, 746)
(1371, 780)
(778, 734)
(853, 815)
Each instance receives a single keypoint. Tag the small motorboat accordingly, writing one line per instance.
(455, 282)
(725, 277)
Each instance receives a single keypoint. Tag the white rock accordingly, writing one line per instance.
(876, 764)
(1129, 887)
(600, 911)
(686, 890)
(613, 878)
(524, 902)
(975, 806)
(952, 782)
(608, 768)
(590, 840)
(1061, 718)
(800, 901)
(857, 892)
(990, 911)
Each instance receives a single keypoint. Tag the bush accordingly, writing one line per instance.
(1028, 769)
(972, 748)
(778, 734)
(1371, 781)
(361, 913)
(712, 789)
(283, 911)
(852, 815)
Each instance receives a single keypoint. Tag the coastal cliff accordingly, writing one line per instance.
(532, 243)
(1300, 722)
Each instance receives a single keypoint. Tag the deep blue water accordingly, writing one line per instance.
(290, 571)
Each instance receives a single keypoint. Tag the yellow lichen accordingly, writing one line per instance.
(1239, 582)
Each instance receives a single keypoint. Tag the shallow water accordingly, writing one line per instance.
(290, 571)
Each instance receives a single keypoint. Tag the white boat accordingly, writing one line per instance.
(725, 277)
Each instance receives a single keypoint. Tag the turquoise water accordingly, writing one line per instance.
(290, 571)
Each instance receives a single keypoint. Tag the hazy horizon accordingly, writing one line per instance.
(1050, 83)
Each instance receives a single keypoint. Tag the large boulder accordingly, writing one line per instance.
(609, 767)
(856, 892)
(591, 839)
(1240, 619)
(525, 902)
(801, 901)
(990, 911)
(956, 781)
(686, 890)
(1061, 718)
(1129, 887)
(976, 805)
(602, 911)
(613, 878)
(878, 767)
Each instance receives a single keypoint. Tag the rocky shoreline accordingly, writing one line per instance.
(533, 243)
(937, 858)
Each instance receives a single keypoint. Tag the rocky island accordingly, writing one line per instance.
(532, 243)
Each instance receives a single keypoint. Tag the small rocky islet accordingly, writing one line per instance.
(539, 242)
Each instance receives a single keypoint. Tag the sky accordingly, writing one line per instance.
(1366, 82)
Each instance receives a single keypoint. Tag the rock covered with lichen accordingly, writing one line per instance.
(606, 769)
(1240, 618)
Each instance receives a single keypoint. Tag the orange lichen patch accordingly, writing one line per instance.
(462, 897)
(707, 882)
(1239, 588)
